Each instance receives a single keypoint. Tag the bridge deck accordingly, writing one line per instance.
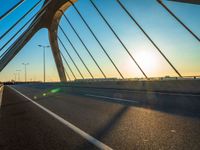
(116, 124)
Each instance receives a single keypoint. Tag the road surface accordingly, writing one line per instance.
(41, 118)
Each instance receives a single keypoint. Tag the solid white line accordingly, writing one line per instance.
(111, 98)
(1, 94)
(88, 137)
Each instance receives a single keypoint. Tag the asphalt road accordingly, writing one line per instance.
(26, 125)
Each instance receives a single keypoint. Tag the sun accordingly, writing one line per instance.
(147, 60)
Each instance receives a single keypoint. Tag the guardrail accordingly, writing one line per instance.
(137, 79)
(89, 80)
(174, 86)
(176, 94)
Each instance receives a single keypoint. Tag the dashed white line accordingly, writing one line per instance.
(1, 94)
(85, 135)
(111, 98)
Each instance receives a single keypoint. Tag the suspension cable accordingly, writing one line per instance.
(71, 58)
(19, 39)
(149, 38)
(97, 40)
(40, 13)
(3, 53)
(68, 65)
(20, 19)
(93, 4)
(86, 48)
(18, 31)
(11, 9)
(75, 51)
(67, 74)
(173, 15)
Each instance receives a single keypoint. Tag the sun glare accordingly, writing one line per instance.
(147, 60)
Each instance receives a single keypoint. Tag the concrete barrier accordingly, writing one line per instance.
(167, 94)
(173, 86)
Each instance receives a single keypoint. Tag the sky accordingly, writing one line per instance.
(174, 41)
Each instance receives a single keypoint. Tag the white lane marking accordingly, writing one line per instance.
(1, 94)
(111, 98)
(85, 135)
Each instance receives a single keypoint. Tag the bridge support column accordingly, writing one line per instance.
(53, 31)
(56, 54)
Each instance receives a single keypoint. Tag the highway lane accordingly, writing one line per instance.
(24, 126)
(177, 102)
(120, 126)
(171, 102)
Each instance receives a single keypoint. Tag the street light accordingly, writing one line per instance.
(44, 47)
(25, 64)
(18, 73)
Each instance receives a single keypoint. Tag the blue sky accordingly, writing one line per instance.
(7, 5)
(179, 46)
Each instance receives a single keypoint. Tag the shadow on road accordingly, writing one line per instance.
(104, 131)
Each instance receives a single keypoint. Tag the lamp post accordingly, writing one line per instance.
(44, 47)
(25, 74)
(18, 74)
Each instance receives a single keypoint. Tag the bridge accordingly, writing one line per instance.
(108, 96)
